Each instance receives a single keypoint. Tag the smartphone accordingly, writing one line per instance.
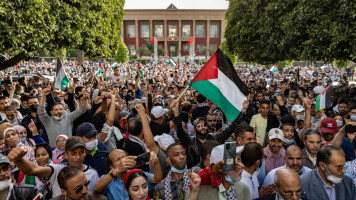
(150, 81)
(229, 156)
(142, 159)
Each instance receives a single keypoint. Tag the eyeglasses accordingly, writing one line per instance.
(80, 188)
(61, 141)
(201, 125)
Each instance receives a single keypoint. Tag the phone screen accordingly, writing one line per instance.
(142, 159)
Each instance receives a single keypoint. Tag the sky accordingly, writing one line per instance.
(180, 4)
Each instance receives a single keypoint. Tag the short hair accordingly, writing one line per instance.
(46, 147)
(108, 161)
(31, 97)
(352, 108)
(186, 106)
(66, 173)
(78, 89)
(209, 114)
(265, 102)
(201, 98)
(134, 125)
(133, 176)
(3, 97)
(207, 147)
(311, 131)
(325, 153)
(56, 103)
(295, 146)
(343, 101)
(242, 128)
(25, 97)
(11, 108)
(251, 153)
(171, 146)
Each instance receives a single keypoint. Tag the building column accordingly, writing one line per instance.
(165, 32)
(207, 35)
(179, 38)
(151, 29)
(193, 28)
(136, 33)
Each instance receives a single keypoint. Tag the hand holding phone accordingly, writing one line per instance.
(229, 156)
(143, 159)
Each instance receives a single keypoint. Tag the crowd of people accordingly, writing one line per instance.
(138, 131)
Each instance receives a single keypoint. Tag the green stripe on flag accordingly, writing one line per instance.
(317, 105)
(210, 91)
(64, 83)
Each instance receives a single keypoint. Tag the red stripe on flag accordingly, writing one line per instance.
(326, 89)
(209, 70)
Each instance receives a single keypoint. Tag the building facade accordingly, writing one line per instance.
(173, 27)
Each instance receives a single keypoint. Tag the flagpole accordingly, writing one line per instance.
(181, 94)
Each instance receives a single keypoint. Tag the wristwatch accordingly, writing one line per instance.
(111, 172)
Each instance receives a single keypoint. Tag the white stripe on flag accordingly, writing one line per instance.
(229, 89)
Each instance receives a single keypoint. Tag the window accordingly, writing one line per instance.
(158, 30)
(186, 30)
(214, 31)
(145, 31)
(199, 47)
(199, 30)
(172, 31)
(131, 30)
(185, 47)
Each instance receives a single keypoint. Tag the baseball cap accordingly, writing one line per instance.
(275, 133)
(318, 89)
(158, 111)
(73, 143)
(3, 159)
(217, 154)
(164, 140)
(297, 108)
(328, 125)
(86, 129)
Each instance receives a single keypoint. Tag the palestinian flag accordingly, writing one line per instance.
(171, 61)
(139, 70)
(61, 78)
(114, 65)
(101, 68)
(218, 81)
(323, 100)
(273, 68)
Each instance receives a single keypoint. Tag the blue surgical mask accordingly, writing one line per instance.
(229, 179)
(288, 142)
(61, 151)
(19, 144)
(353, 118)
(23, 140)
(173, 169)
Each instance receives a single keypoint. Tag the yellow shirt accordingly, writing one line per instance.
(259, 124)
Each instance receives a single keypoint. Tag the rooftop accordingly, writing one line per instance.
(176, 4)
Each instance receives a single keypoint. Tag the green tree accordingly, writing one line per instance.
(122, 53)
(150, 47)
(30, 27)
(231, 56)
(270, 31)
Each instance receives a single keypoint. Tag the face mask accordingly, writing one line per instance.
(58, 118)
(33, 108)
(61, 151)
(23, 140)
(288, 105)
(229, 179)
(299, 117)
(173, 169)
(288, 142)
(11, 121)
(91, 145)
(353, 118)
(339, 123)
(5, 184)
(19, 144)
(333, 178)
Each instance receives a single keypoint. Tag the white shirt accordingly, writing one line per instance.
(252, 183)
(270, 176)
(90, 174)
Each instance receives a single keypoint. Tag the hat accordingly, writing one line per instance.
(275, 133)
(328, 125)
(3, 159)
(164, 140)
(196, 121)
(217, 154)
(19, 129)
(64, 136)
(9, 129)
(318, 89)
(73, 143)
(297, 108)
(158, 111)
(86, 129)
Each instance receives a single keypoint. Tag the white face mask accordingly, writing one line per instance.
(90, 146)
(5, 184)
(339, 123)
(332, 178)
(58, 118)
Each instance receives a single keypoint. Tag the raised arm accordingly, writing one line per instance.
(82, 101)
(307, 121)
(42, 114)
(110, 117)
(27, 167)
(339, 137)
(158, 175)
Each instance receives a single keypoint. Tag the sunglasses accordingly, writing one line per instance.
(80, 188)
(202, 125)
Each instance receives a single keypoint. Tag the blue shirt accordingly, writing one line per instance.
(116, 189)
(348, 148)
(97, 161)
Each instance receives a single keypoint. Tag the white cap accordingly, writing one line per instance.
(158, 111)
(297, 108)
(318, 89)
(217, 154)
(275, 133)
(164, 140)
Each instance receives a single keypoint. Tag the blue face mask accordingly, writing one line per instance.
(19, 144)
(229, 179)
(288, 142)
(59, 150)
(173, 169)
(23, 140)
(353, 118)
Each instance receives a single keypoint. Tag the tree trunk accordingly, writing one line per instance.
(13, 61)
(80, 57)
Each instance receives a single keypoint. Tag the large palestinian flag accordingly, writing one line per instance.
(323, 100)
(218, 81)
(61, 78)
